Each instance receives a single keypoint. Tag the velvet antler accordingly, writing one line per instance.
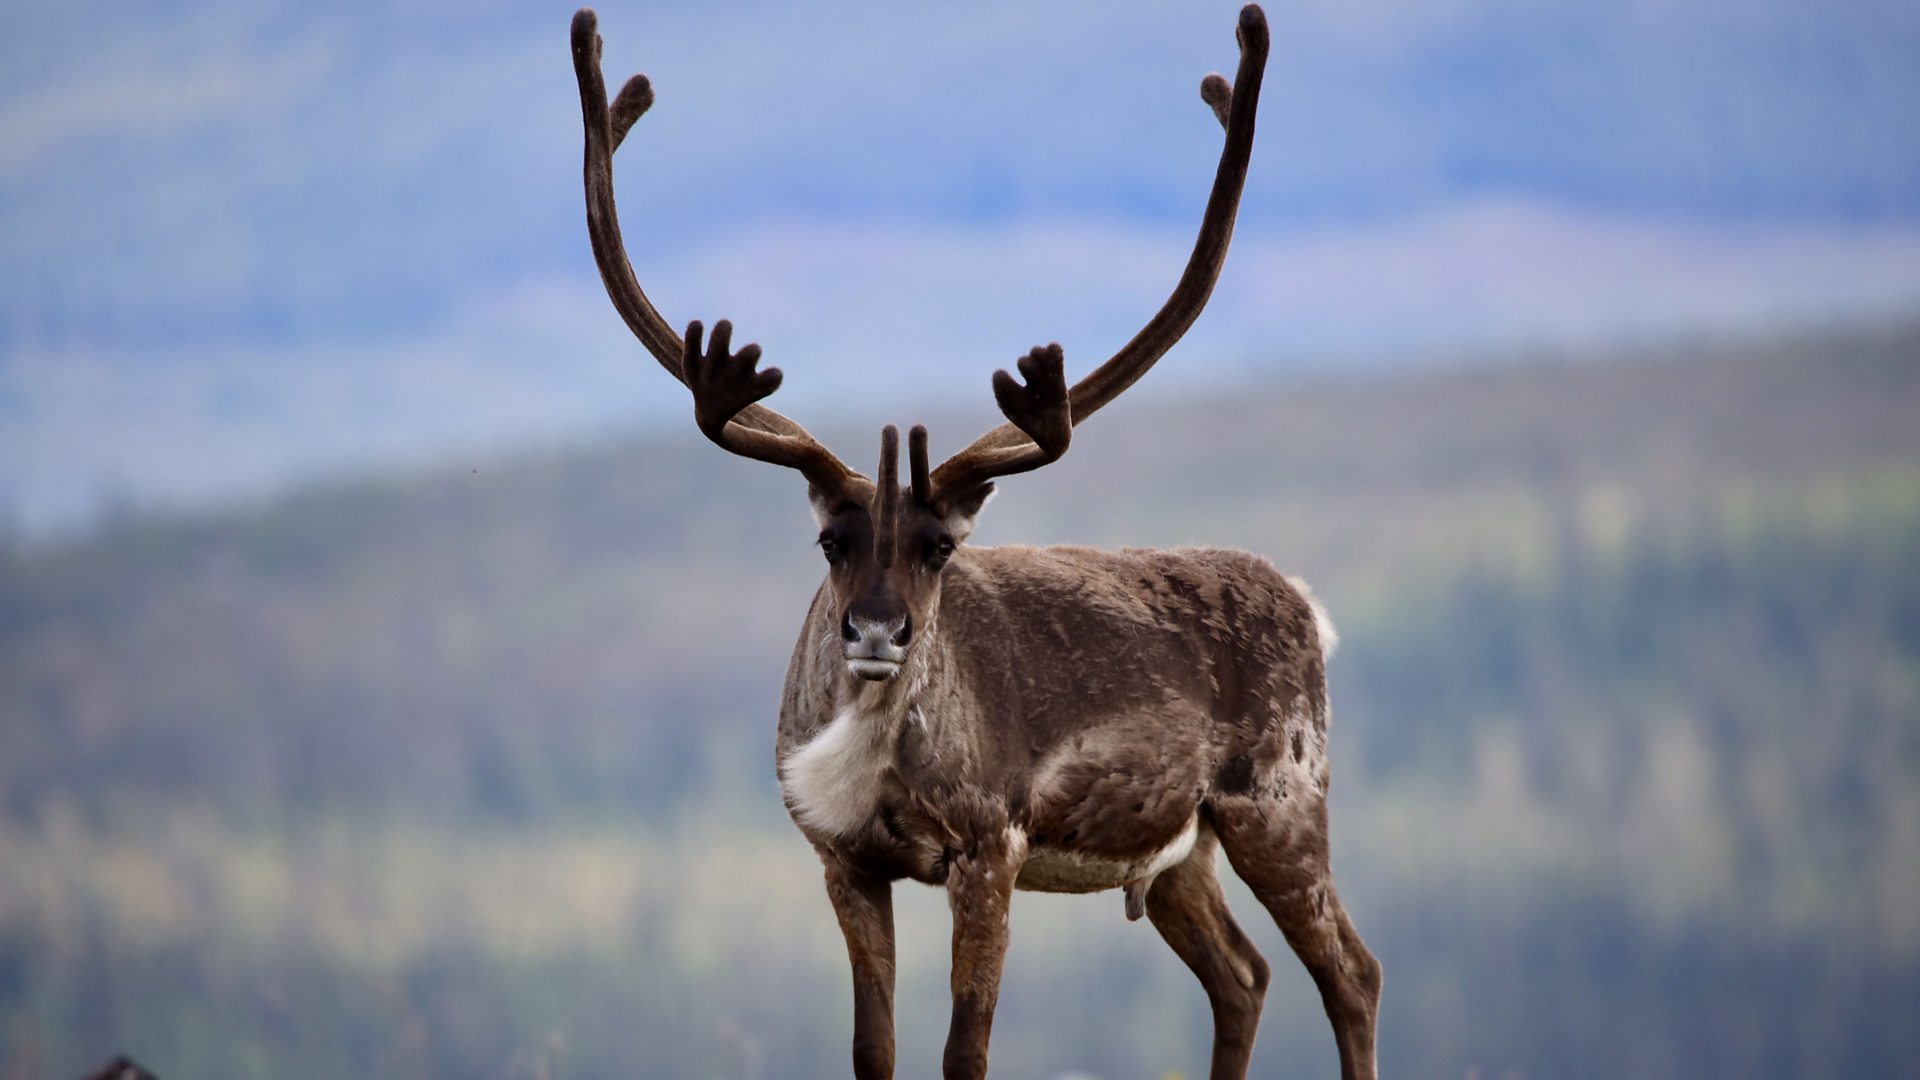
(1038, 408)
(725, 386)
(886, 528)
(1038, 427)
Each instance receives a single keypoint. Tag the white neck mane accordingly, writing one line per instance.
(834, 778)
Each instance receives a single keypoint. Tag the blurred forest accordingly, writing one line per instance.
(468, 772)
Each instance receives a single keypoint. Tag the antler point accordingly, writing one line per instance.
(586, 39)
(1252, 30)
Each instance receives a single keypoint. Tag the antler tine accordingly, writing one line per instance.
(1234, 105)
(1215, 90)
(1038, 408)
(749, 429)
(725, 383)
(631, 104)
(888, 496)
(921, 482)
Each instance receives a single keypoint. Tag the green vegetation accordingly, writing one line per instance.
(469, 773)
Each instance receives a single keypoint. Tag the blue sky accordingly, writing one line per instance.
(246, 244)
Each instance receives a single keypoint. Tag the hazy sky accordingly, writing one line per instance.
(248, 243)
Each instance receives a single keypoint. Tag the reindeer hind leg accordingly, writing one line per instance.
(1186, 907)
(1279, 849)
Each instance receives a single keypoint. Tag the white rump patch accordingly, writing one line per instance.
(832, 780)
(1322, 623)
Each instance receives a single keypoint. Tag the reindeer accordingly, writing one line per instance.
(1062, 719)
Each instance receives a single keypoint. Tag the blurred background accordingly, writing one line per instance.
(360, 577)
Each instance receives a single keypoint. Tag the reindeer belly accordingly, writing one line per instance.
(1052, 868)
(1115, 805)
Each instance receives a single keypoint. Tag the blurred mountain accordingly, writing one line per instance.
(252, 242)
(468, 771)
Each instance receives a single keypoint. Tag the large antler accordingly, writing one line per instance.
(1038, 425)
(725, 386)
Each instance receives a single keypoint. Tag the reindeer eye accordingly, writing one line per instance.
(831, 547)
(942, 551)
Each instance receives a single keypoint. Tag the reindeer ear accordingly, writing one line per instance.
(819, 502)
(965, 509)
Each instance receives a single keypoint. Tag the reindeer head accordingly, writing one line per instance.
(885, 555)
(886, 545)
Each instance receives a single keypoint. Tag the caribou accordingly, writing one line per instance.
(1062, 719)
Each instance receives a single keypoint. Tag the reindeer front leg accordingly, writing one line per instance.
(864, 905)
(979, 890)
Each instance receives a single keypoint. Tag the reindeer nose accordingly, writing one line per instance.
(884, 638)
